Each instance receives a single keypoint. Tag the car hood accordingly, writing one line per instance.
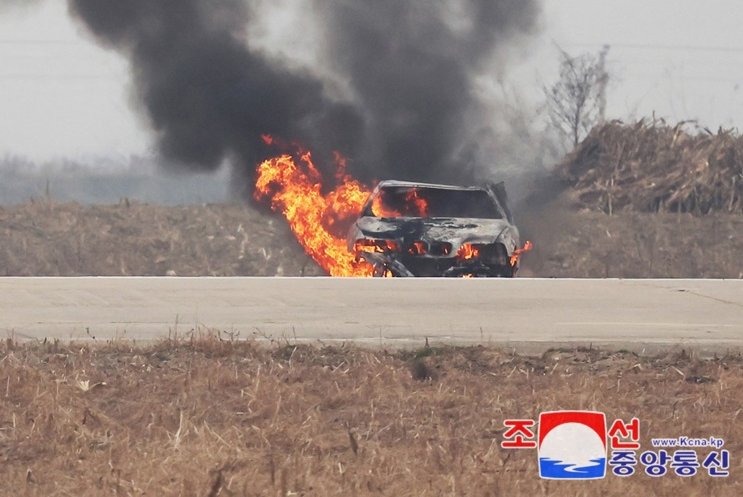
(452, 230)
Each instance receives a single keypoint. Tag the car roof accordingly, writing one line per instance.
(414, 184)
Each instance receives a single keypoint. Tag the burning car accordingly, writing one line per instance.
(397, 228)
(419, 229)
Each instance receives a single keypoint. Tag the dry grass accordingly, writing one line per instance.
(47, 239)
(209, 417)
(44, 238)
(588, 244)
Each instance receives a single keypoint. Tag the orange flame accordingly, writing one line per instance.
(413, 198)
(378, 246)
(415, 206)
(417, 248)
(468, 252)
(295, 189)
(380, 210)
(528, 246)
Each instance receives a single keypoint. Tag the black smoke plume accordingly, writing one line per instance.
(409, 64)
(207, 94)
(412, 66)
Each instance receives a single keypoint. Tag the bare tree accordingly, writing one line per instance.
(577, 101)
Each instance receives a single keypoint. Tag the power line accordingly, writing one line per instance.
(651, 46)
(55, 77)
(40, 42)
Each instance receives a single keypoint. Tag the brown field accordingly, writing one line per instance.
(44, 238)
(211, 417)
(575, 243)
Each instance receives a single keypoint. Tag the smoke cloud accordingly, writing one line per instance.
(410, 68)
(207, 94)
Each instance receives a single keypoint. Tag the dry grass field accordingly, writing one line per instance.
(574, 243)
(208, 417)
(44, 238)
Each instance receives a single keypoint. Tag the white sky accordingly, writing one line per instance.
(62, 96)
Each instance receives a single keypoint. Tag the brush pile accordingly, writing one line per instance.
(650, 166)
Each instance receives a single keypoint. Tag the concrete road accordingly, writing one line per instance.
(639, 314)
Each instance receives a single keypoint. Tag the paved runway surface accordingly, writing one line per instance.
(639, 314)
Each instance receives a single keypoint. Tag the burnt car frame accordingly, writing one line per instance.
(433, 230)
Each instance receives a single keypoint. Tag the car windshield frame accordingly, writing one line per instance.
(488, 208)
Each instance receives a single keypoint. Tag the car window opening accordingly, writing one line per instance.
(398, 201)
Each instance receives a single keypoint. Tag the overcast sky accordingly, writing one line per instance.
(62, 96)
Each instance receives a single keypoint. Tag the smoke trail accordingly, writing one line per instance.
(410, 67)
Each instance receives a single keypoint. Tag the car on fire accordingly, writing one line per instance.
(427, 230)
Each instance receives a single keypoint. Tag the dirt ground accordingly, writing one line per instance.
(207, 417)
(52, 239)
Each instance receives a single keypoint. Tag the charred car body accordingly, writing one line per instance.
(428, 230)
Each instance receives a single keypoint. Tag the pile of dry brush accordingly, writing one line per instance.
(653, 167)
